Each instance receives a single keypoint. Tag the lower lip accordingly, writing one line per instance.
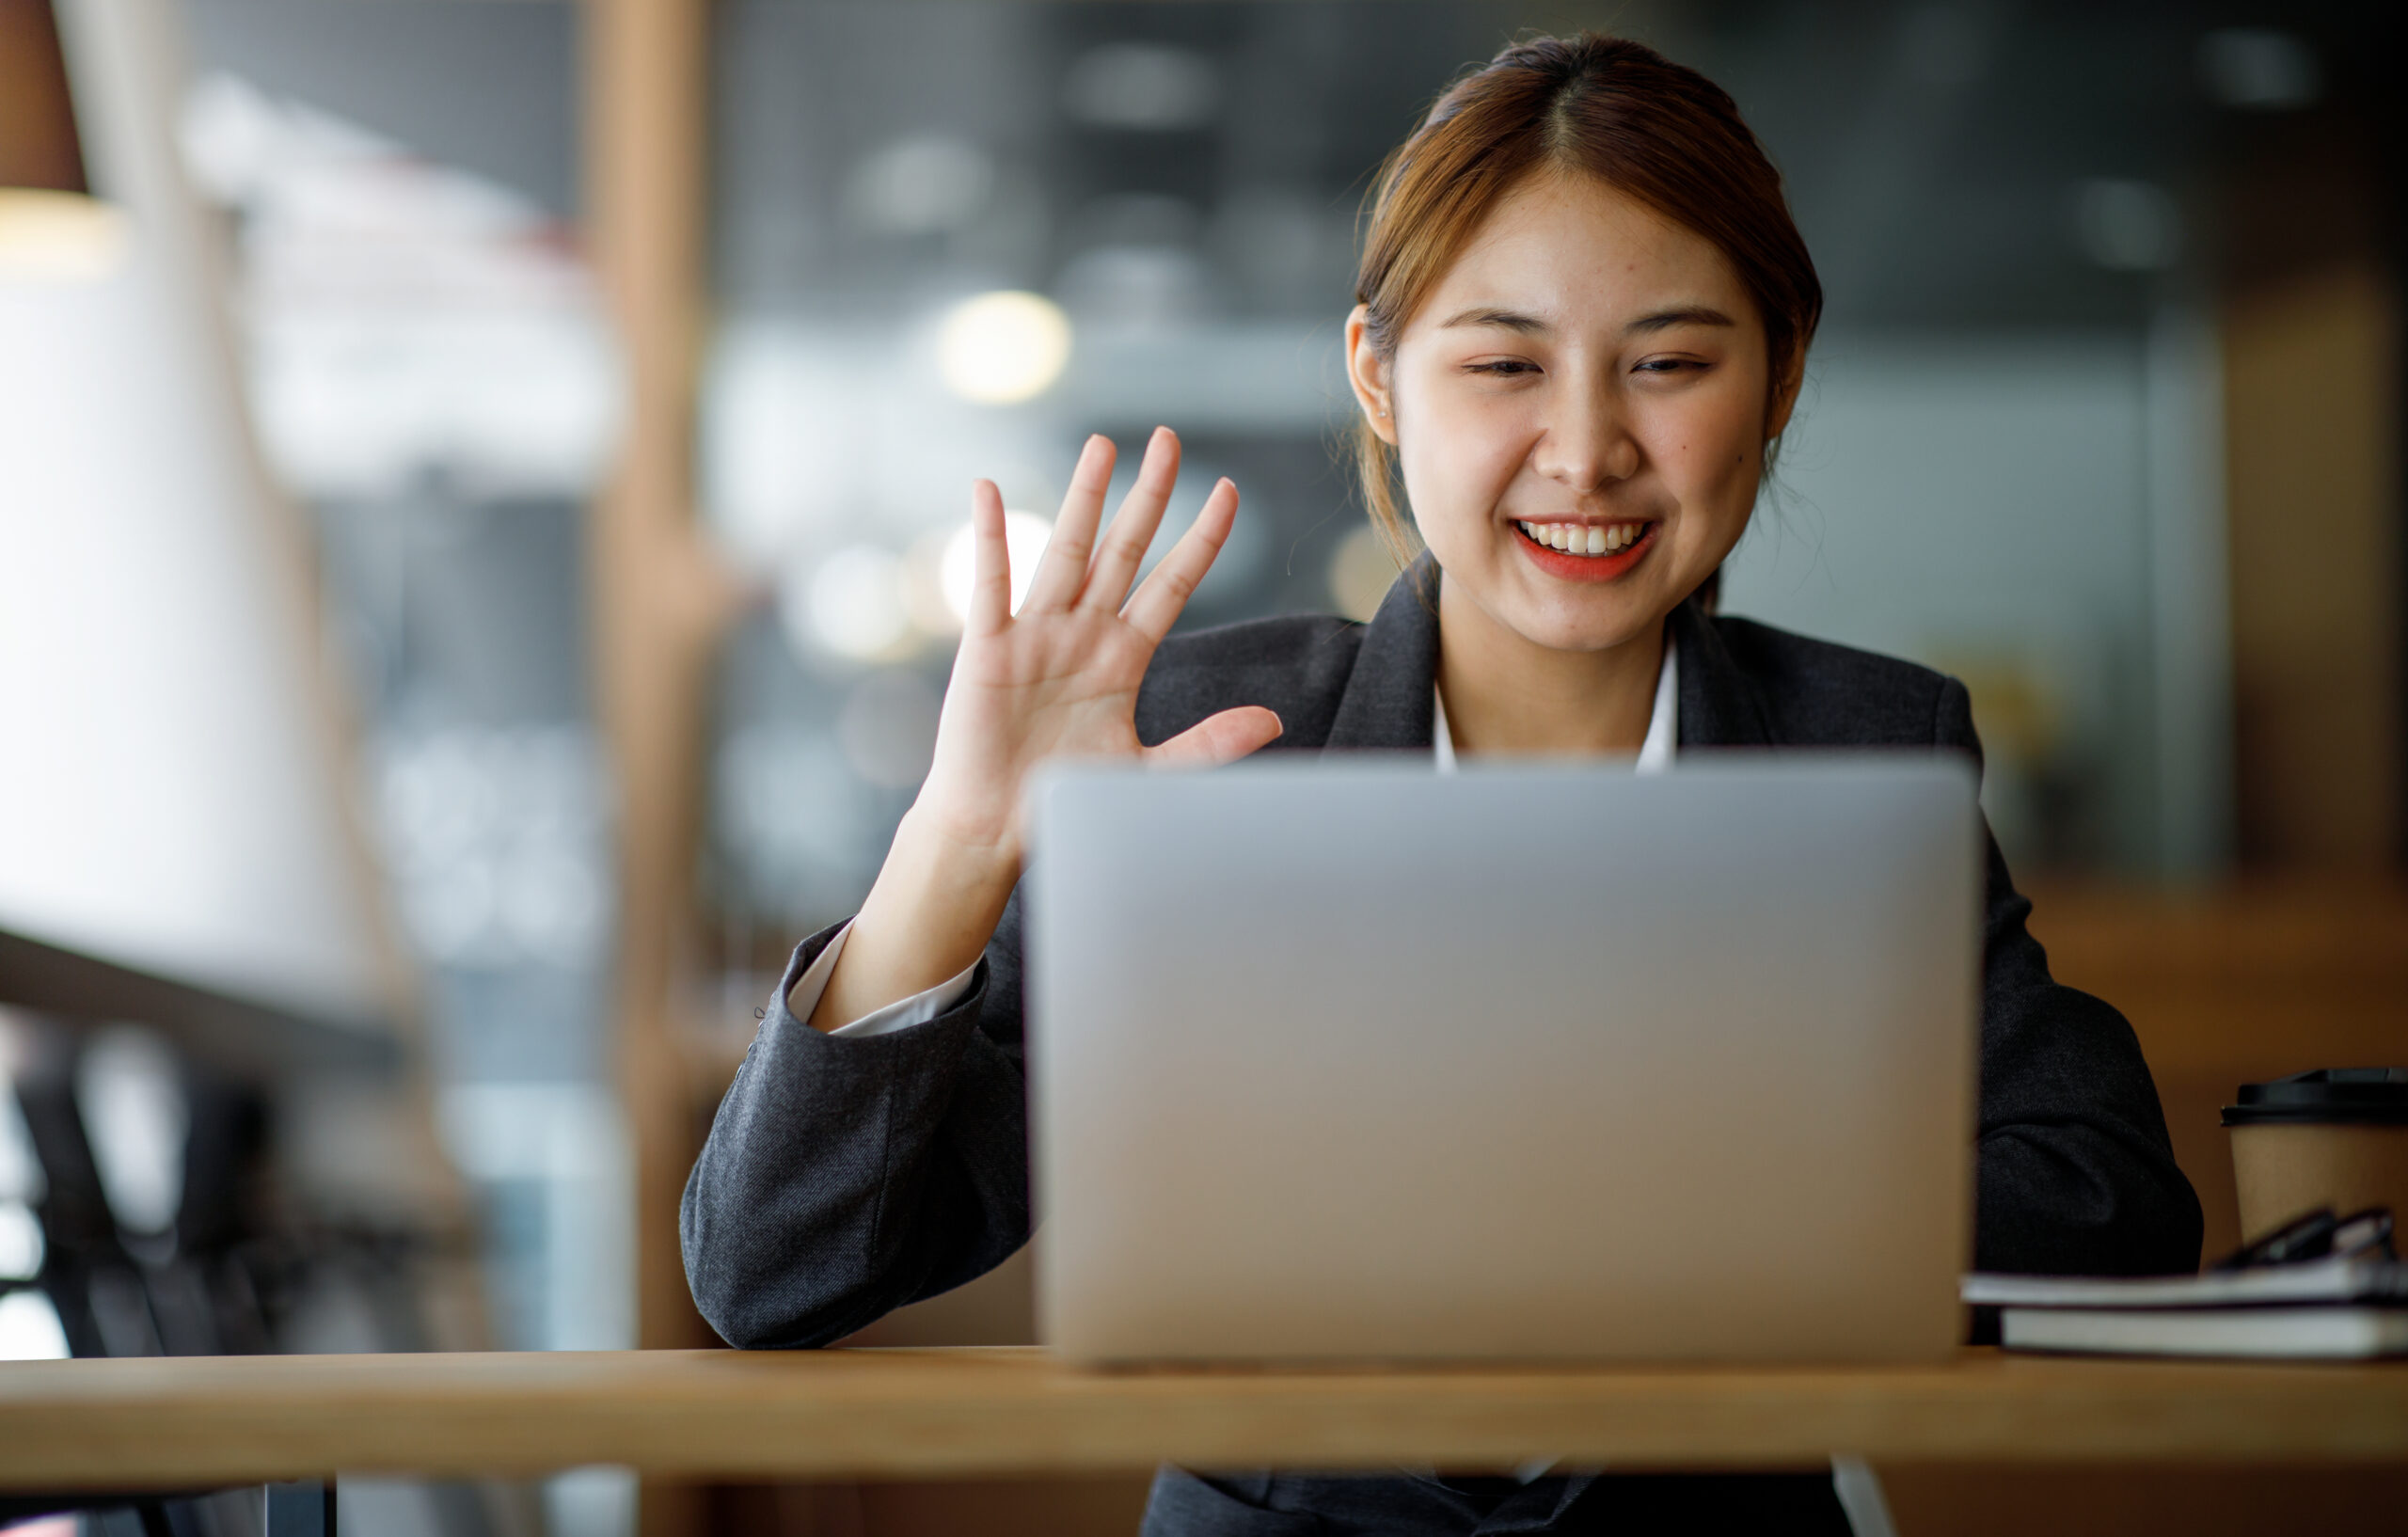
(1569, 567)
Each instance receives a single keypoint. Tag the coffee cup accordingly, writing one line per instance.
(2336, 1137)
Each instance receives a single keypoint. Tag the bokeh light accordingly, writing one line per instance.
(29, 1327)
(1001, 348)
(21, 1242)
(851, 604)
(1024, 536)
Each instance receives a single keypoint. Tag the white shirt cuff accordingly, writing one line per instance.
(917, 1009)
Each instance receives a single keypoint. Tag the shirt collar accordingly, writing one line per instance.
(1390, 693)
(1663, 720)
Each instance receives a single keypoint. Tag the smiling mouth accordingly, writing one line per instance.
(1588, 539)
(1587, 552)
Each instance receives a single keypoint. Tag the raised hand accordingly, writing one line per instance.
(1059, 679)
(1056, 680)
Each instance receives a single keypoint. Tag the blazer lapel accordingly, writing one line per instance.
(1387, 701)
(1720, 705)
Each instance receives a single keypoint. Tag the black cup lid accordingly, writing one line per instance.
(2325, 1097)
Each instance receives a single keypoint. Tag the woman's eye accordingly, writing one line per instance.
(1669, 365)
(1504, 366)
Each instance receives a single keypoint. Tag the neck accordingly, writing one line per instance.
(1506, 694)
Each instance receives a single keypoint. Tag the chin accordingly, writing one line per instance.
(1588, 622)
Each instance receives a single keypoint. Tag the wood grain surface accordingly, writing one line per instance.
(958, 1413)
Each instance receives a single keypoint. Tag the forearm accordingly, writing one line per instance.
(927, 918)
(843, 1176)
(2075, 1199)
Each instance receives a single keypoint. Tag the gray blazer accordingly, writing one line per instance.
(845, 1178)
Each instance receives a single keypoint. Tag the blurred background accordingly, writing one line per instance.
(482, 536)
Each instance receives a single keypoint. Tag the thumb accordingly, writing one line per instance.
(1217, 739)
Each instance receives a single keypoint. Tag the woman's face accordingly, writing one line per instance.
(1579, 410)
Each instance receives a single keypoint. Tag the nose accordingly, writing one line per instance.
(1586, 443)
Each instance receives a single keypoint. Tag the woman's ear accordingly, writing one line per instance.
(1370, 374)
(1784, 398)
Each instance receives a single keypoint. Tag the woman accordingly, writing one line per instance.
(1583, 315)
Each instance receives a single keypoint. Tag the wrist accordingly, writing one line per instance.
(964, 856)
(933, 910)
(977, 828)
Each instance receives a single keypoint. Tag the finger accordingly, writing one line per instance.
(1124, 545)
(1160, 599)
(990, 564)
(1217, 739)
(1062, 572)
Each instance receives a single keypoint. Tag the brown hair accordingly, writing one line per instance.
(1618, 110)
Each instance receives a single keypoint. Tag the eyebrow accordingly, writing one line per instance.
(1662, 320)
(1509, 319)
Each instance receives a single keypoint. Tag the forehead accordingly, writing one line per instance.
(1580, 252)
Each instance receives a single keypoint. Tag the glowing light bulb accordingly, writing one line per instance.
(1004, 347)
(1024, 536)
(61, 237)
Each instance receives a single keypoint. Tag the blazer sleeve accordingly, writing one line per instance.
(2075, 1174)
(844, 1177)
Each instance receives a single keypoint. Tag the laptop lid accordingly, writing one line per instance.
(1347, 1060)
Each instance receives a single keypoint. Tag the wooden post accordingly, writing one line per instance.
(658, 600)
(653, 589)
(2312, 397)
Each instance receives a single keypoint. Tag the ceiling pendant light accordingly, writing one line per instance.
(51, 228)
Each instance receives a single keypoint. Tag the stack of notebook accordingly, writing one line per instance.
(2319, 1290)
(2325, 1309)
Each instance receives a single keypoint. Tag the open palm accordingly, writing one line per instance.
(1059, 679)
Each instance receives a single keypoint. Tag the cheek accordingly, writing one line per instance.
(1709, 452)
(1458, 455)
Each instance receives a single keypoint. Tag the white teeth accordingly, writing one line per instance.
(1583, 538)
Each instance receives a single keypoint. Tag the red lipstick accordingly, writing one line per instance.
(1570, 567)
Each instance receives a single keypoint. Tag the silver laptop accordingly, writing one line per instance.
(1355, 1061)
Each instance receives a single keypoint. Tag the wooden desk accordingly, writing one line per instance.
(963, 1413)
